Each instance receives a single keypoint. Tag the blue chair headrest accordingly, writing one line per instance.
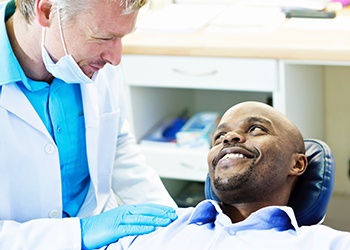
(314, 188)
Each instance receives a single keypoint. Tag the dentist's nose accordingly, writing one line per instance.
(233, 137)
(113, 53)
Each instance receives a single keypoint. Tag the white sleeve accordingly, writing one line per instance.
(41, 234)
(133, 180)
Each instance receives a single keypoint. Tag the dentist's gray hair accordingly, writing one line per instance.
(70, 8)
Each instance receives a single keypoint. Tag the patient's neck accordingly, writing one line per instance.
(239, 212)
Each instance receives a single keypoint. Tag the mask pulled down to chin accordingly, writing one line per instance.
(65, 69)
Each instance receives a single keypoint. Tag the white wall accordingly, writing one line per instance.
(337, 126)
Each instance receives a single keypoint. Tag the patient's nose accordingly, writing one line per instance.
(233, 137)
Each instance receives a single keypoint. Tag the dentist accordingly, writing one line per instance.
(66, 151)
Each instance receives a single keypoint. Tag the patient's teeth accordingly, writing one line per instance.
(228, 156)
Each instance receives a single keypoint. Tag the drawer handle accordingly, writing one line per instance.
(187, 165)
(196, 73)
(192, 167)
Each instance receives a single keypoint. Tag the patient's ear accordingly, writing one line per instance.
(300, 165)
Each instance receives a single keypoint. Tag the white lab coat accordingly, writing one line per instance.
(30, 181)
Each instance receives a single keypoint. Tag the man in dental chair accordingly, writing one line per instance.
(256, 160)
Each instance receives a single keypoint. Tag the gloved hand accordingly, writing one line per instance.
(109, 226)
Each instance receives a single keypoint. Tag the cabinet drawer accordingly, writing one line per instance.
(177, 163)
(201, 72)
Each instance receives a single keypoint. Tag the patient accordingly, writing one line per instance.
(256, 158)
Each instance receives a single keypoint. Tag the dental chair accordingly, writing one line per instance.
(314, 188)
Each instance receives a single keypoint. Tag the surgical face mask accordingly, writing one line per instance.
(66, 68)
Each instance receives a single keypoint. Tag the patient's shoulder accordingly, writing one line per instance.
(185, 211)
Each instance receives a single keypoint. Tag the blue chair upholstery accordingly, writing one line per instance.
(313, 191)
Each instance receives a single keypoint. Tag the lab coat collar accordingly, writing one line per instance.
(13, 100)
(91, 115)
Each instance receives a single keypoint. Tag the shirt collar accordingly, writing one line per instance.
(205, 212)
(277, 217)
(11, 70)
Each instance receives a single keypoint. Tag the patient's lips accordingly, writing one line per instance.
(232, 155)
(235, 152)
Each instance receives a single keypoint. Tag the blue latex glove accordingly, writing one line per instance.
(108, 227)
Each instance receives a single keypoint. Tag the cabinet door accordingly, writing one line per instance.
(201, 72)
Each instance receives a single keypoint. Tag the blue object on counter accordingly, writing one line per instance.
(176, 125)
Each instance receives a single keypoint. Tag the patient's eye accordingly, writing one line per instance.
(257, 129)
(218, 137)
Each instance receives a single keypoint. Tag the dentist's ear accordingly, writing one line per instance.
(43, 12)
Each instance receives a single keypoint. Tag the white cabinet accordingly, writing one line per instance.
(259, 75)
(164, 86)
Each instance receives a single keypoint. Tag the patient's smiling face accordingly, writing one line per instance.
(251, 154)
